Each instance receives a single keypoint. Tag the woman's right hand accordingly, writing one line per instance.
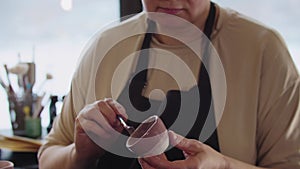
(98, 123)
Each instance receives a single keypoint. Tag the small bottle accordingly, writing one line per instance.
(52, 111)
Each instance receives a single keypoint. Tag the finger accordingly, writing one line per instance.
(158, 161)
(162, 163)
(92, 113)
(78, 126)
(144, 164)
(117, 107)
(92, 128)
(187, 145)
(109, 113)
(174, 138)
(185, 154)
(161, 156)
(101, 137)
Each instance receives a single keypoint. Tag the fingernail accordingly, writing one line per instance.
(173, 138)
(172, 135)
(107, 99)
(120, 108)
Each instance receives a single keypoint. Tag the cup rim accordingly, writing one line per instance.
(138, 139)
(9, 164)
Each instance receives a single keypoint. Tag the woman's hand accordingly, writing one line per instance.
(198, 156)
(98, 123)
(145, 165)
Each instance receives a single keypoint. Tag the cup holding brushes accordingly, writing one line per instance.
(23, 102)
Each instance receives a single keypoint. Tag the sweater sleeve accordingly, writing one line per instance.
(278, 128)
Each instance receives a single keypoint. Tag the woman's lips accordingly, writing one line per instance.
(171, 11)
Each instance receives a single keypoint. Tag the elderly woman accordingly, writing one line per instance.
(260, 118)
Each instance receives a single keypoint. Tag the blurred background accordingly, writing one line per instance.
(52, 34)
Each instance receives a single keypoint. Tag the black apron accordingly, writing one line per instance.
(171, 104)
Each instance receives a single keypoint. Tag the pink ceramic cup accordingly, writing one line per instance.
(149, 138)
(6, 164)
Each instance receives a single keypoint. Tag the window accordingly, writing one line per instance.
(52, 33)
(283, 16)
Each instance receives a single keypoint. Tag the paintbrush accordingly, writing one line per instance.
(3, 84)
(10, 89)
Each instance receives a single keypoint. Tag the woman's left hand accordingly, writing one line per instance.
(145, 165)
(198, 155)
